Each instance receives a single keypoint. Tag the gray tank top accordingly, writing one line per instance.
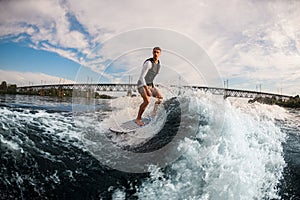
(152, 72)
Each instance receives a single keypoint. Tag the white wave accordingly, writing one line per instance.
(17, 122)
(10, 144)
(240, 156)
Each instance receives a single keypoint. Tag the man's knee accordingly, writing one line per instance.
(147, 101)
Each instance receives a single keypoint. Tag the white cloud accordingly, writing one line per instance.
(260, 35)
(257, 41)
(30, 78)
(43, 20)
(62, 52)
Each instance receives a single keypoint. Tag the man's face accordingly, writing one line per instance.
(156, 53)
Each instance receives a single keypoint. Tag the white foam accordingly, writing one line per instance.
(119, 194)
(51, 123)
(10, 144)
(241, 156)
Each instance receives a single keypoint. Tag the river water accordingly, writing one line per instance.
(238, 151)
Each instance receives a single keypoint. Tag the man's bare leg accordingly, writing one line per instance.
(143, 107)
(157, 103)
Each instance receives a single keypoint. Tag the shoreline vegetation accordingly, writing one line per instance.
(293, 102)
(12, 89)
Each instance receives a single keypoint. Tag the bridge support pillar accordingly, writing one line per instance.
(225, 94)
(60, 93)
(88, 93)
(42, 92)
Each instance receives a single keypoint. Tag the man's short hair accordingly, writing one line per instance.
(156, 48)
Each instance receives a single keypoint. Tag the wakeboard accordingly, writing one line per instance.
(129, 126)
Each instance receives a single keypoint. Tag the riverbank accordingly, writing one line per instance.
(293, 102)
(11, 89)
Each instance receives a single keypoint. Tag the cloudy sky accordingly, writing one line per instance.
(247, 42)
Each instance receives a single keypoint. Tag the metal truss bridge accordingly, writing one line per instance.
(133, 88)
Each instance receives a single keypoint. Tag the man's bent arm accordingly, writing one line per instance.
(147, 65)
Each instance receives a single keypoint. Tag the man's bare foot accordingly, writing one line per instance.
(139, 122)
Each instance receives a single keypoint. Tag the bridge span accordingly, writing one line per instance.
(133, 88)
(237, 93)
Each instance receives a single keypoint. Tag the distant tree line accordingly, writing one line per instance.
(293, 102)
(12, 89)
(8, 88)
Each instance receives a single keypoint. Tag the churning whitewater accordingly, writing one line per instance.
(236, 150)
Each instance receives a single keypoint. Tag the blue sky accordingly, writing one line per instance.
(249, 42)
(18, 57)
